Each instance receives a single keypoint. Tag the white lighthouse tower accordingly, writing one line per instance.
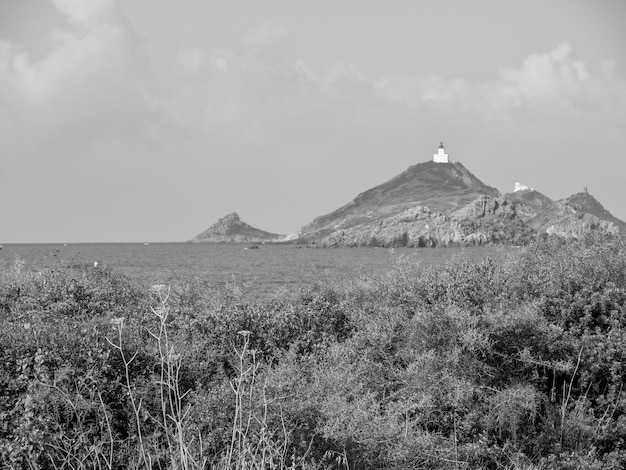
(441, 156)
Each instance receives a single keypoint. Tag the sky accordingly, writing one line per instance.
(148, 120)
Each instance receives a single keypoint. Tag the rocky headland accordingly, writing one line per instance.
(436, 187)
(444, 204)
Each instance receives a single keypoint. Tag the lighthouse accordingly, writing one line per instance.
(441, 156)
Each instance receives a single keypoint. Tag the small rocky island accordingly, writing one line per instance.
(231, 229)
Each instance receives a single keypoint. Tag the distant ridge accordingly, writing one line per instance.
(231, 229)
(434, 204)
(439, 186)
(444, 204)
(571, 216)
(586, 203)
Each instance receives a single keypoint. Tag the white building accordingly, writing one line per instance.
(521, 187)
(441, 156)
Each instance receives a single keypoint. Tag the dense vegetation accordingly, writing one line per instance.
(517, 364)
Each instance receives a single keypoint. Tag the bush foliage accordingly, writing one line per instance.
(514, 364)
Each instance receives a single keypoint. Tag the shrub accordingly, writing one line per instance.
(518, 364)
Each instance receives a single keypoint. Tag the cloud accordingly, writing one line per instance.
(95, 83)
(88, 82)
(546, 86)
(239, 98)
(191, 59)
(81, 11)
(267, 35)
(553, 83)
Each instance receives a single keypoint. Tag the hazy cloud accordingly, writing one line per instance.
(94, 82)
(81, 11)
(554, 83)
(191, 59)
(267, 35)
(88, 83)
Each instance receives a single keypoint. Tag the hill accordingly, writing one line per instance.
(570, 217)
(438, 186)
(586, 203)
(486, 220)
(231, 229)
(444, 204)
(530, 203)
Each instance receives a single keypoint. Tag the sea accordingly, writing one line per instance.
(259, 270)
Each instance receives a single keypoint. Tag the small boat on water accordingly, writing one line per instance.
(252, 247)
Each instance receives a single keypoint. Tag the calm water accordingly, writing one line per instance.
(262, 271)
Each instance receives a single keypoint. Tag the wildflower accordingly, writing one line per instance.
(117, 321)
(157, 288)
